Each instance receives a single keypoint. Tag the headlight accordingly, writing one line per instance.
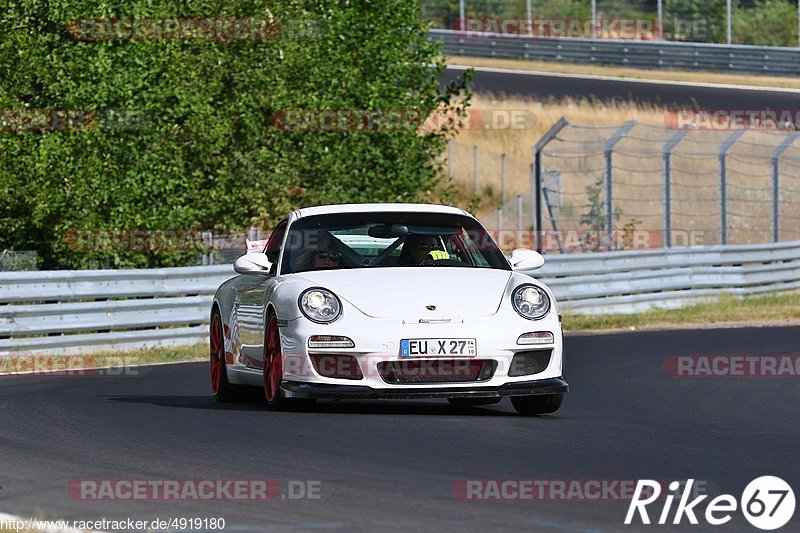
(530, 301)
(320, 305)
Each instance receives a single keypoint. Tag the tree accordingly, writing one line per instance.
(767, 23)
(176, 134)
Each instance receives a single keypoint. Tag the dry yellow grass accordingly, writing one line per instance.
(62, 363)
(537, 116)
(620, 72)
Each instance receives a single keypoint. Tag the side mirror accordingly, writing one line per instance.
(253, 263)
(524, 259)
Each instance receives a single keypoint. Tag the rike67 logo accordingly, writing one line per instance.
(767, 503)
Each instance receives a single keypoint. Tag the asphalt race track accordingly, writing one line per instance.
(392, 465)
(663, 93)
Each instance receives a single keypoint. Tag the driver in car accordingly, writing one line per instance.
(417, 249)
(322, 255)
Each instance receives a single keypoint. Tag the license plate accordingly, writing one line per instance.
(437, 347)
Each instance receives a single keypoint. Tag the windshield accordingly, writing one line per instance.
(374, 240)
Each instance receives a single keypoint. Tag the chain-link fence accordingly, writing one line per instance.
(641, 186)
(16, 260)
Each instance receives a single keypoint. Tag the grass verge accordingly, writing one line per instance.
(623, 72)
(726, 311)
(15, 364)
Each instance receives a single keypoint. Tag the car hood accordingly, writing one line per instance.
(406, 292)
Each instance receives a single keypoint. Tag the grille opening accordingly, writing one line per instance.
(527, 363)
(336, 366)
(414, 371)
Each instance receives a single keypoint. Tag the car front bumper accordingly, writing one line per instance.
(302, 389)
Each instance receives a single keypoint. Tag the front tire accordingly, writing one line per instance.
(273, 372)
(273, 365)
(539, 404)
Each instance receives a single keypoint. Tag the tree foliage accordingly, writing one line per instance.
(767, 23)
(195, 142)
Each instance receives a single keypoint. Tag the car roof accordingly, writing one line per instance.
(379, 208)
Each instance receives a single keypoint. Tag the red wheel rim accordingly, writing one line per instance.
(273, 363)
(217, 353)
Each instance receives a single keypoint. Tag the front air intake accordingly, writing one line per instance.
(421, 371)
(527, 363)
(338, 366)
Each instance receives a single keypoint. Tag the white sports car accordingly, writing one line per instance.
(387, 301)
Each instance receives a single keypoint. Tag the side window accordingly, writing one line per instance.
(273, 247)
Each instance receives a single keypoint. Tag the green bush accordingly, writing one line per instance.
(197, 146)
(768, 23)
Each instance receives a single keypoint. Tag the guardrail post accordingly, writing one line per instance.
(536, 179)
(723, 185)
(776, 158)
(667, 159)
(609, 150)
(475, 167)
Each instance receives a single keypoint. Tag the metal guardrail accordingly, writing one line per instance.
(631, 281)
(69, 312)
(771, 60)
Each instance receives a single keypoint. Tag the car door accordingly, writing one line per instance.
(252, 295)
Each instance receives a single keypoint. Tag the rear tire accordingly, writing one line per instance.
(472, 402)
(539, 404)
(221, 388)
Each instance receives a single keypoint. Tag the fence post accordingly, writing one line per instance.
(609, 150)
(776, 157)
(499, 221)
(536, 179)
(667, 156)
(475, 167)
(723, 185)
(450, 160)
(503, 178)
